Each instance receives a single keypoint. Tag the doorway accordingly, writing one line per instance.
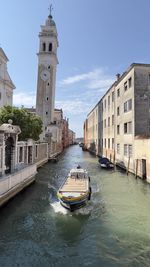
(9, 144)
(144, 174)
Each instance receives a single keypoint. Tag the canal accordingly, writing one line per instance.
(112, 230)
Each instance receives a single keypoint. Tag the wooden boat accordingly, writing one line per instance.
(105, 163)
(75, 191)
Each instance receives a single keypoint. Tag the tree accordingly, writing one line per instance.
(30, 125)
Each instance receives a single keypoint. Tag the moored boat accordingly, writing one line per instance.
(75, 192)
(105, 163)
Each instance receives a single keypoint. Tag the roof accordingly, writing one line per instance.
(9, 128)
(120, 78)
(2, 54)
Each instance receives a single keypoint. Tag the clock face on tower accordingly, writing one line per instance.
(45, 75)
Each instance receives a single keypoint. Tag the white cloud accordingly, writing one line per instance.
(73, 107)
(82, 77)
(25, 99)
(96, 79)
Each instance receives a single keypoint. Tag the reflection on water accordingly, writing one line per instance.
(112, 230)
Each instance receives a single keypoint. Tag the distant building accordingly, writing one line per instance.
(65, 133)
(6, 84)
(72, 137)
(120, 122)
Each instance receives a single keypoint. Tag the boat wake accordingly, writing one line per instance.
(58, 208)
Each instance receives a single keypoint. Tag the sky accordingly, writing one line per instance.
(97, 40)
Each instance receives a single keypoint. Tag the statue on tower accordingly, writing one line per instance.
(50, 11)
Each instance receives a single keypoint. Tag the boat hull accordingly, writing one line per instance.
(74, 205)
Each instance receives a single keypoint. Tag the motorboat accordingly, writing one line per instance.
(75, 192)
(105, 163)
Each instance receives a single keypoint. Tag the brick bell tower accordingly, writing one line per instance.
(47, 63)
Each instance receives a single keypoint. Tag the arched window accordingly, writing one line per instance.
(50, 47)
(44, 46)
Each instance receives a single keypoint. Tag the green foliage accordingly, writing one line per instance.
(30, 125)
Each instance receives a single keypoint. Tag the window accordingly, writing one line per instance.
(46, 112)
(47, 84)
(105, 103)
(125, 128)
(125, 150)
(105, 123)
(130, 127)
(49, 67)
(125, 86)
(125, 107)
(112, 143)
(113, 96)
(105, 142)
(118, 129)
(44, 47)
(118, 92)
(36, 151)
(128, 105)
(108, 121)
(50, 47)
(118, 148)
(47, 98)
(108, 142)
(112, 119)
(130, 82)
(149, 79)
(118, 111)
(109, 100)
(130, 150)
(20, 154)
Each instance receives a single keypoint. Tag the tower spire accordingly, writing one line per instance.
(50, 10)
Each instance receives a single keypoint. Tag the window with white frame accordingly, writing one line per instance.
(130, 150)
(128, 105)
(125, 149)
(128, 127)
(118, 148)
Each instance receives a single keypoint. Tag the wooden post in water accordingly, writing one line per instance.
(136, 171)
(128, 165)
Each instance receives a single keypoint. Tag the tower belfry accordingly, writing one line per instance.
(47, 63)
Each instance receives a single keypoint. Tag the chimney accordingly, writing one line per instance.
(118, 76)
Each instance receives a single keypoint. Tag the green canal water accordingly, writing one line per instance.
(112, 230)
